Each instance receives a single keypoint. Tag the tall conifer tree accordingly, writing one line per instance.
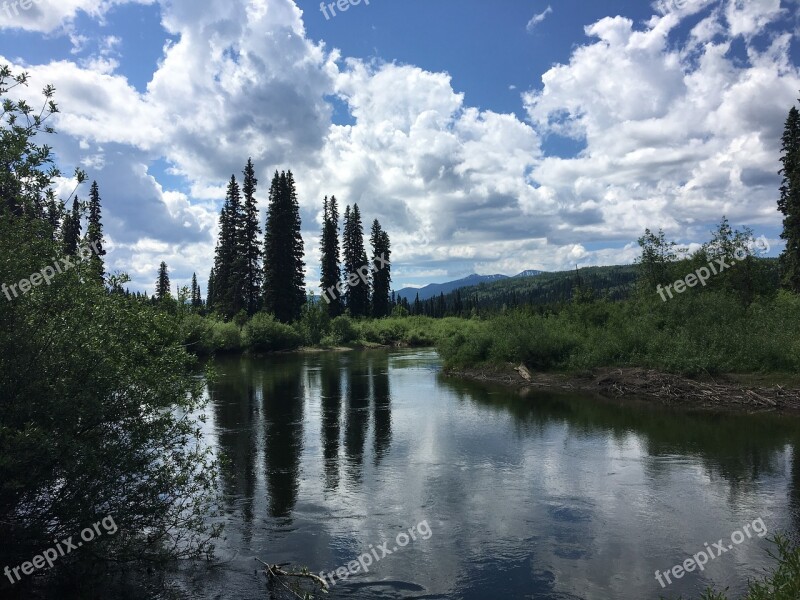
(355, 257)
(331, 272)
(251, 241)
(789, 202)
(284, 269)
(162, 283)
(71, 229)
(229, 272)
(197, 301)
(94, 234)
(381, 275)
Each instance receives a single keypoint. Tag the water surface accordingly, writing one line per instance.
(544, 496)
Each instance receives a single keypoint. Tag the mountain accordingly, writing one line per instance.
(434, 289)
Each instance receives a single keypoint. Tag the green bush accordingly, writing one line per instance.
(314, 322)
(225, 337)
(263, 333)
(343, 331)
(197, 334)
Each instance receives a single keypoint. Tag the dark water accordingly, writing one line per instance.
(544, 496)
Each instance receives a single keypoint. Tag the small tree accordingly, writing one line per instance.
(655, 263)
(162, 283)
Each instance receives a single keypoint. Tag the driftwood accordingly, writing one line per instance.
(524, 373)
(276, 574)
(677, 389)
(644, 384)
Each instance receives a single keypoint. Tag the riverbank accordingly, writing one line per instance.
(729, 391)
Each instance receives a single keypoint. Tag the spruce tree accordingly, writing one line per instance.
(331, 272)
(94, 234)
(210, 290)
(162, 283)
(251, 242)
(381, 271)
(197, 301)
(71, 229)
(298, 266)
(355, 257)
(229, 271)
(789, 202)
(284, 269)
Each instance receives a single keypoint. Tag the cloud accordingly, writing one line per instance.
(678, 137)
(46, 16)
(675, 132)
(536, 19)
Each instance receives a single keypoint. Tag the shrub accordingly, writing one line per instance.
(197, 334)
(343, 331)
(263, 333)
(314, 322)
(225, 337)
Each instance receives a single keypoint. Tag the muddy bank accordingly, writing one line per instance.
(722, 392)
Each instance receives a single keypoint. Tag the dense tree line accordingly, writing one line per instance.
(248, 277)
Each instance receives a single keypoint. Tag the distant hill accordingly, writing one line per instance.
(536, 287)
(434, 289)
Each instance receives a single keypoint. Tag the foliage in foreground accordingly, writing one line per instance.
(97, 396)
(782, 583)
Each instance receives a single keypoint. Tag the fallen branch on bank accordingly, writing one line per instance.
(676, 389)
(277, 575)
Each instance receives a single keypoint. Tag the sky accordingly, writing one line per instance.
(487, 137)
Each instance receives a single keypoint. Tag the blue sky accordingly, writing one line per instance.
(486, 137)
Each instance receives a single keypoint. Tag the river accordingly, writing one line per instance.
(548, 496)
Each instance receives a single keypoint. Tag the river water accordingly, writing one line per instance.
(544, 495)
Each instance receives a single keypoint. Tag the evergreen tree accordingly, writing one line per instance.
(71, 229)
(381, 271)
(210, 290)
(284, 269)
(197, 301)
(251, 243)
(229, 262)
(162, 283)
(355, 257)
(331, 272)
(94, 234)
(789, 202)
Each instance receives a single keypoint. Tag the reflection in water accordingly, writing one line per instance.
(542, 496)
(283, 425)
(382, 406)
(236, 412)
(356, 417)
(331, 405)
